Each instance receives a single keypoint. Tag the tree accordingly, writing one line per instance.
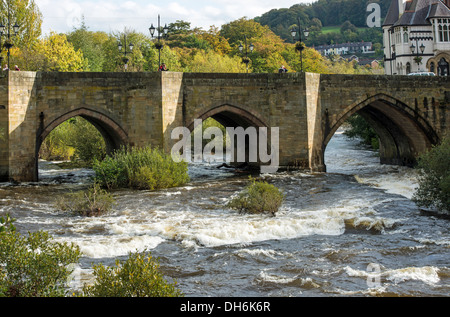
(267, 55)
(212, 62)
(57, 54)
(114, 59)
(27, 15)
(434, 178)
(91, 45)
(217, 42)
(235, 31)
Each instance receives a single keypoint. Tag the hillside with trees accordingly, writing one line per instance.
(329, 21)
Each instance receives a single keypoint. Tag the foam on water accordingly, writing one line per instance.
(343, 157)
(426, 274)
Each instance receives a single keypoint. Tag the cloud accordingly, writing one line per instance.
(115, 15)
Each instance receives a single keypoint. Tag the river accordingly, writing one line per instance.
(352, 231)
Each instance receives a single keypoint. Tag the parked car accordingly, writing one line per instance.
(422, 74)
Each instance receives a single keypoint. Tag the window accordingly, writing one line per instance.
(443, 30)
(405, 37)
(443, 68)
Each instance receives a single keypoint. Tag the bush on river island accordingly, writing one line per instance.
(92, 202)
(140, 168)
(258, 197)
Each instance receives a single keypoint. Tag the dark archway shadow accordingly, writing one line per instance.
(112, 133)
(403, 133)
(230, 116)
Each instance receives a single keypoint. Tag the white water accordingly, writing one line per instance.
(329, 229)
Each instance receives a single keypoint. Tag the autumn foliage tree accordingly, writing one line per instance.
(186, 49)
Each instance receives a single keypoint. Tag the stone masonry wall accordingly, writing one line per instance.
(143, 108)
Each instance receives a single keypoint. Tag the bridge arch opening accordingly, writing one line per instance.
(228, 117)
(88, 132)
(401, 131)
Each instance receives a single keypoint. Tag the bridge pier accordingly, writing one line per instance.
(4, 135)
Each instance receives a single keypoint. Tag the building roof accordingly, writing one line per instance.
(417, 12)
(439, 10)
(392, 14)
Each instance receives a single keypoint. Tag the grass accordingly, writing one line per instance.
(335, 29)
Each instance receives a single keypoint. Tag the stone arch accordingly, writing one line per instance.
(435, 60)
(231, 116)
(113, 134)
(403, 132)
(234, 117)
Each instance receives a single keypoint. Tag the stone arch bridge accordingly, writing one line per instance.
(409, 113)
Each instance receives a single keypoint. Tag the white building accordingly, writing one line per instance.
(416, 36)
(345, 48)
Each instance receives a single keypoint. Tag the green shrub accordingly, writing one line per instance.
(140, 168)
(138, 276)
(258, 197)
(434, 178)
(34, 266)
(6, 224)
(92, 202)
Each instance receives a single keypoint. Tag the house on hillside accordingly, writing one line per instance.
(416, 37)
(344, 48)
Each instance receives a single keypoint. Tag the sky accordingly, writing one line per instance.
(138, 15)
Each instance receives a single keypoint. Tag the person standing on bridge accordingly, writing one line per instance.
(282, 69)
(163, 68)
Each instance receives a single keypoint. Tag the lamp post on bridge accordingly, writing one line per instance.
(415, 48)
(245, 59)
(8, 43)
(299, 46)
(162, 33)
(125, 52)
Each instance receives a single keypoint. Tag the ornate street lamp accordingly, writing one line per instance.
(299, 46)
(162, 33)
(245, 59)
(125, 52)
(8, 43)
(416, 48)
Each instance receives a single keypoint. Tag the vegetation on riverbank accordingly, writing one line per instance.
(357, 127)
(434, 178)
(138, 276)
(76, 140)
(258, 197)
(37, 266)
(34, 265)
